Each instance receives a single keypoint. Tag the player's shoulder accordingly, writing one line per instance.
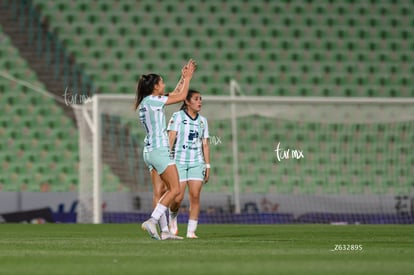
(176, 117)
(156, 99)
(179, 113)
(202, 118)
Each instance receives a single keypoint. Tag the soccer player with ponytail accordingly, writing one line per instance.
(149, 104)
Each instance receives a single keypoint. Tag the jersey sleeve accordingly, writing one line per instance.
(205, 132)
(174, 122)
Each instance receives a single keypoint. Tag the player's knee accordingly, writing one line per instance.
(195, 199)
(175, 191)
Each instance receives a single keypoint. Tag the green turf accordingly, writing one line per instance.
(222, 249)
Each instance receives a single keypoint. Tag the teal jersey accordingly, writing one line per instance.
(152, 117)
(188, 146)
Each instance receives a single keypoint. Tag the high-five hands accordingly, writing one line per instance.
(189, 68)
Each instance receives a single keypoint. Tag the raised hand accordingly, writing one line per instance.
(189, 68)
(192, 64)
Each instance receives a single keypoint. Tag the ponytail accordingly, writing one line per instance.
(145, 87)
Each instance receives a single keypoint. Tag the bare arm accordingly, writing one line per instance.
(180, 93)
(171, 137)
(206, 153)
(181, 90)
(179, 87)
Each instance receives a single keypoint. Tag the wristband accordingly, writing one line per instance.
(208, 165)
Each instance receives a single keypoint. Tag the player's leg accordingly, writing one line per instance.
(150, 224)
(174, 209)
(194, 191)
(159, 189)
(160, 161)
(175, 206)
(195, 184)
(170, 177)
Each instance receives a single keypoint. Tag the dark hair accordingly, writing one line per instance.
(145, 87)
(189, 95)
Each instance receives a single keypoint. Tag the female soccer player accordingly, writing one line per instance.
(188, 134)
(149, 103)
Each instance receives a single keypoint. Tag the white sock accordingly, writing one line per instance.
(192, 226)
(158, 211)
(173, 214)
(163, 223)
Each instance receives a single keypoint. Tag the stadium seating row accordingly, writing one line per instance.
(270, 47)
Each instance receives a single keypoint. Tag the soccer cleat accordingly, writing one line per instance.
(151, 228)
(169, 236)
(173, 225)
(192, 235)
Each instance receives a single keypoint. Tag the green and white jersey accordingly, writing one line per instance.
(152, 117)
(188, 147)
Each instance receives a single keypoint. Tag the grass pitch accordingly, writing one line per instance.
(221, 249)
